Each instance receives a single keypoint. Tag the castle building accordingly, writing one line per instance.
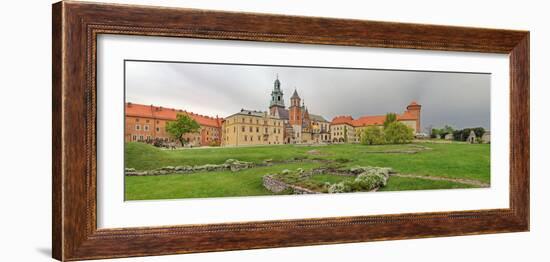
(300, 126)
(342, 130)
(347, 129)
(145, 123)
(320, 129)
(278, 125)
(249, 127)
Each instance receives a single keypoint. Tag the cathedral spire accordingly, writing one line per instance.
(277, 94)
(295, 99)
(295, 94)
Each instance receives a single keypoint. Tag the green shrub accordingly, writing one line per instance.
(372, 135)
(398, 133)
(336, 188)
(369, 179)
(390, 118)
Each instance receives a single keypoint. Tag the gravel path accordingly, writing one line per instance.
(456, 180)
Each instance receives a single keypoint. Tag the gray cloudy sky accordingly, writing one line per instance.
(458, 99)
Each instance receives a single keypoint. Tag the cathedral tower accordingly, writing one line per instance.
(276, 97)
(295, 110)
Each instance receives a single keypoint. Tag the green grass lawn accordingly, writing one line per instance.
(201, 185)
(406, 183)
(456, 160)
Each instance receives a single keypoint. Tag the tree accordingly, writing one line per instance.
(183, 125)
(435, 132)
(462, 135)
(372, 135)
(429, 130)
(398, 133)
(448, 129)
(390, 118)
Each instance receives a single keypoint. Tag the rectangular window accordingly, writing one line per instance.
(147, 121)
(243, 128)
(137, 119)
(138, 127)
(146, 127)
(257, 130)
(158, 129)
(134, 137)
(250, 129)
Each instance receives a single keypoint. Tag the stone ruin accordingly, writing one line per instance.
(230, 164)
(367, 177)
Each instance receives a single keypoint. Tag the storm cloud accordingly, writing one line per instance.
(447, 98)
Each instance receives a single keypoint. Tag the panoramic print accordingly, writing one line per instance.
(200, 130)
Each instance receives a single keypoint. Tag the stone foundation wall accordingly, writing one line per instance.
(274, 185)
(277, 186)
(230, 164)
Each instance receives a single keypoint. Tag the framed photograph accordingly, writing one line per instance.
(182, 130)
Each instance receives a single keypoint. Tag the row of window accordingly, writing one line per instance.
(342, 133)
(340, 127)
(145, 128)
(251, 129)
(252, 138)
(146, 121)
(265, 122)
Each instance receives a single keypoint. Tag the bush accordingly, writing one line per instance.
(372, 135)
(366, 182)
(398, 133)
(369, 179)
(336, 188)
(462, 135)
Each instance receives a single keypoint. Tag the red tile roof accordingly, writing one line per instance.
(342, 120)
(373, 120)
(369, 120)
(159, 112)
(407, 116)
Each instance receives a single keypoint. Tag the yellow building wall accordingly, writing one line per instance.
(411, 124)
(240, 130)
(337, 133)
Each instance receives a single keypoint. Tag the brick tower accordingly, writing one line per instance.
(414, 109)
(295, 110)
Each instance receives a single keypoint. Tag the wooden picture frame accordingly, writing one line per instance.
(76, 26)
